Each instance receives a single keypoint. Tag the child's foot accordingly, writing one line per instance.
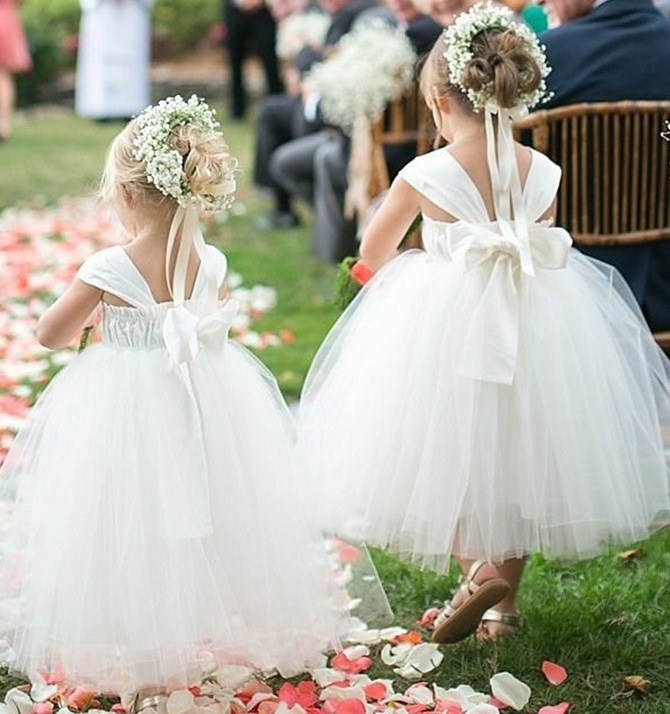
(498, 622)
(148, 699)
(480, 589)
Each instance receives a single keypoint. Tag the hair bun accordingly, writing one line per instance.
(207, 163)
(503, 64)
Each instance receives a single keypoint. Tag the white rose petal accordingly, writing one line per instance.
(511, 691)
(355, 652)
(324, 677)
(390, 633)
(20, 700)
(396, 654)
(180, 702)
(484, 709)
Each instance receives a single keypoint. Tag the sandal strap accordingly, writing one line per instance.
(466, 582)
(445, 613)
(506, 618)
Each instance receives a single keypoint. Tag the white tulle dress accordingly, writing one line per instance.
(489, 397)
(152, 515)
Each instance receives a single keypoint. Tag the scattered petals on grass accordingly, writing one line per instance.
(554, 673)
(511, 691)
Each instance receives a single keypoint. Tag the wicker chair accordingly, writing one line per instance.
(615, 188)
(405, 120)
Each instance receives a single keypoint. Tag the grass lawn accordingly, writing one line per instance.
(603, 619)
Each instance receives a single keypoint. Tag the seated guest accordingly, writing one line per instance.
(281, 116)
(315, 167)
(444, 12)
(606, 51)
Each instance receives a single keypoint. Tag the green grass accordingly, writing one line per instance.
(602, 619)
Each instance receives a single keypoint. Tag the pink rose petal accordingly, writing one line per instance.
(561, 708)
(375, 691)
(554, 673)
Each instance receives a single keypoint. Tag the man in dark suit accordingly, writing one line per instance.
(282, 116)
(608, 51)
(249, 22)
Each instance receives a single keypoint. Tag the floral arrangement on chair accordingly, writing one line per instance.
(370, 66)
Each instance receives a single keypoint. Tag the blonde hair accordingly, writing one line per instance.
(501, 60)
(206, 165)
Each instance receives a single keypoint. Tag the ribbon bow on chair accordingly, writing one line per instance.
(186, 333)
(491, 342)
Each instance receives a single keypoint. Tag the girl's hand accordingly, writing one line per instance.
(61, 323)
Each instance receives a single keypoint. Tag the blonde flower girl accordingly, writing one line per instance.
(499, 393)
(156, 521)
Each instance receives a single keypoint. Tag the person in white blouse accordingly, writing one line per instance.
(113, 61)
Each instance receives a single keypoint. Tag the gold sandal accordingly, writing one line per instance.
(150, 701)
(510, 619)
(454, 624)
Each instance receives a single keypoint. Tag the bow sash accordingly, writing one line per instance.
(186, 333)
(491, 343)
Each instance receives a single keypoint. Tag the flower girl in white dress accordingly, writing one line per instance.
(499, 393)
(156, 521)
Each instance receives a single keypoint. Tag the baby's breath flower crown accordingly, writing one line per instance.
(164, 164)
(458, 39)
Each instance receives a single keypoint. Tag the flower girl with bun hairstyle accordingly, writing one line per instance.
(155, 527)
(498, 393)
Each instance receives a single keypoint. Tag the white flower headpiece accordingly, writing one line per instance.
(164, 164)
(458, 39)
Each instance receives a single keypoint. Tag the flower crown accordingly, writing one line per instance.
(164, 164)
(458, 39)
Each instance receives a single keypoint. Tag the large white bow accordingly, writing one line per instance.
(185, 333)
(491, 343)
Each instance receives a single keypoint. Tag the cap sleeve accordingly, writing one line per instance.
(96, 270)
(219, 263)
(545, 182)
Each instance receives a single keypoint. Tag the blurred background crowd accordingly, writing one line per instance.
(600, 51)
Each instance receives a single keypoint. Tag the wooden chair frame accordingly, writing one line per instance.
(616, 183)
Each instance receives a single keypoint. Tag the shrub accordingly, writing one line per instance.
(48, 60)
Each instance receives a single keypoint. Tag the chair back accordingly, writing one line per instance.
(616, 175)
(405, 120)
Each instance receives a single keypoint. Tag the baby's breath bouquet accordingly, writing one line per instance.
(370, 66)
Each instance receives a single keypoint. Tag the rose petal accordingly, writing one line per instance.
(325, 676)
(395, 655)
(180, 702)
(20, 700)
(376, 691)
(349, 706)
(510, 690)
(555, 709)
(425, 657)
(420, 694)
(554, 673)
(484, 708)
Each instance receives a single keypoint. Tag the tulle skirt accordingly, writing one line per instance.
(412, 454)
(153, 522)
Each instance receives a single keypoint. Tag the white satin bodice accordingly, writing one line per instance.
(503, 254)
(140, 325)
